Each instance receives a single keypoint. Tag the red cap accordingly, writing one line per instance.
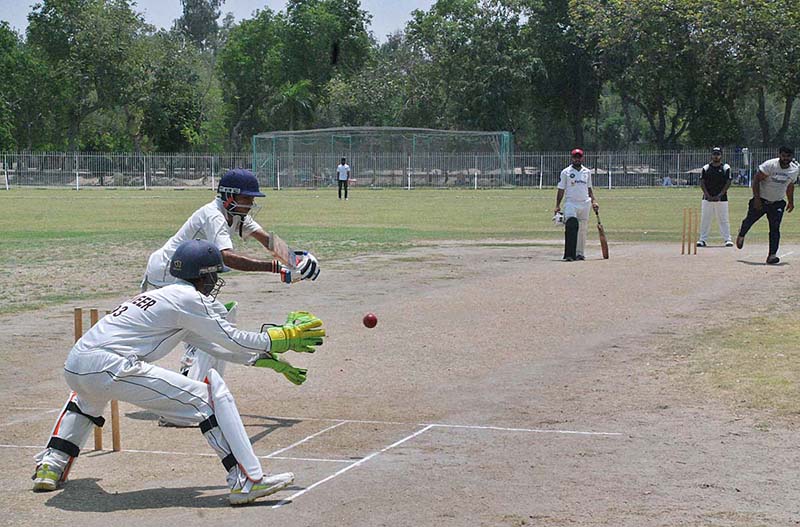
(577, 152)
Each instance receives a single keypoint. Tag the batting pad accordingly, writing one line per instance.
(230, 424)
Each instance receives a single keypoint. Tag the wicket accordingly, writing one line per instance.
(94, 316)
(690, 232)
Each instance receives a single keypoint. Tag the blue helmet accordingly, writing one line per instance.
(239, 181)
(196, 259)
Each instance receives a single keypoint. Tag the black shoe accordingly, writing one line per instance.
(739, 242)
(580, 258)
(772, 259)
(568, 259)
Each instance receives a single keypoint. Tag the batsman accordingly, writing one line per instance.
(576, 186)
(228, 216)
(114, 360)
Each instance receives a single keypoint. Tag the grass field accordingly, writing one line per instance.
(94, 232)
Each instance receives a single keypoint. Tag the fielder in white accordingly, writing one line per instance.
(217, 222)
(113, 361)
(576, 185)
(715, 180)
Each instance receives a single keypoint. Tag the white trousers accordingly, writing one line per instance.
(96, 377)
(719, 209)
(579, 210)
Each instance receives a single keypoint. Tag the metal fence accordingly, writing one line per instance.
(433, 170)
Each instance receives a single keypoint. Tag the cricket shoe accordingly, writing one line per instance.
(739, 242)
(729, 244)
(701, 243)
(46, 479)
(772, 259)
(580, 258)
(268, 485)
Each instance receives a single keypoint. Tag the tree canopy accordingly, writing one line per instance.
(93, 75)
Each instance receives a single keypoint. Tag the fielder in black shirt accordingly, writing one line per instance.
(715, 181)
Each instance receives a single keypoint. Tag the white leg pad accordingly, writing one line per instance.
(230, 437)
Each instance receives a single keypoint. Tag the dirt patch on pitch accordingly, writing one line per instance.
(520, 390)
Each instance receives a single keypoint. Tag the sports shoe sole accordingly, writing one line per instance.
(241, 498)
(44, 485)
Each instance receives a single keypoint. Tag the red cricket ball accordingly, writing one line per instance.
(370, 320)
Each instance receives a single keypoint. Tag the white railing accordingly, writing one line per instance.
(385, 170)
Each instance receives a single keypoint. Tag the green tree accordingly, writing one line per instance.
(649, 51)
(468, 70)
(570, 84)
(95, 49)
(294, 101)
(172, 109)
(199, 22)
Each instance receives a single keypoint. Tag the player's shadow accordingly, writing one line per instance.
(85, 495)
(763, 264)
(269, 424)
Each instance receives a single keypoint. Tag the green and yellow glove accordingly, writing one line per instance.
(301, 332)
(294, 375)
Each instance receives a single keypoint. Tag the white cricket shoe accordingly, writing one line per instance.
(268, 485)
(46, 479)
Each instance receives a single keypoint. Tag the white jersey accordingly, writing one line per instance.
(774, 187)
(343, 172)
(576, 184)
(148, 326)
(207, 223)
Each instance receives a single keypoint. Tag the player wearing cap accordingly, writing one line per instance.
(774, 180)
(229, 214)
(114, 360)
(715, 179)
(576, 185)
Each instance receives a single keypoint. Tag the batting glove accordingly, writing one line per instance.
(307, 265)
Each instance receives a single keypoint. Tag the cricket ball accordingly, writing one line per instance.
(370, 320)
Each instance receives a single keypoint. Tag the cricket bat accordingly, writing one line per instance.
(601, 233)
(285, 254)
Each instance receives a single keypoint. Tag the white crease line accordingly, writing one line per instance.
(354, 465)
(786, 254)
(340, 422)
(29, 418)
(446, 425)
(321, 460)
(531, 430)
(312, 436)
(32, 408)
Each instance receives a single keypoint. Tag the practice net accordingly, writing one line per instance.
(384, 157)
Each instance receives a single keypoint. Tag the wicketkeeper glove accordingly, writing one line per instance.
(294, 375)
(301, 332)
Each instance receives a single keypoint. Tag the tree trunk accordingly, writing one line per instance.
(236, 136)
(780, 135)
(761, 114)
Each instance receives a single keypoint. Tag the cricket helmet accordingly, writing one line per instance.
(196, 259)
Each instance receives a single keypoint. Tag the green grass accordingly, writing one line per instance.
(63, 243)
(753, 366)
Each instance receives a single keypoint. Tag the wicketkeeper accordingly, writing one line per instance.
(113, 360)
